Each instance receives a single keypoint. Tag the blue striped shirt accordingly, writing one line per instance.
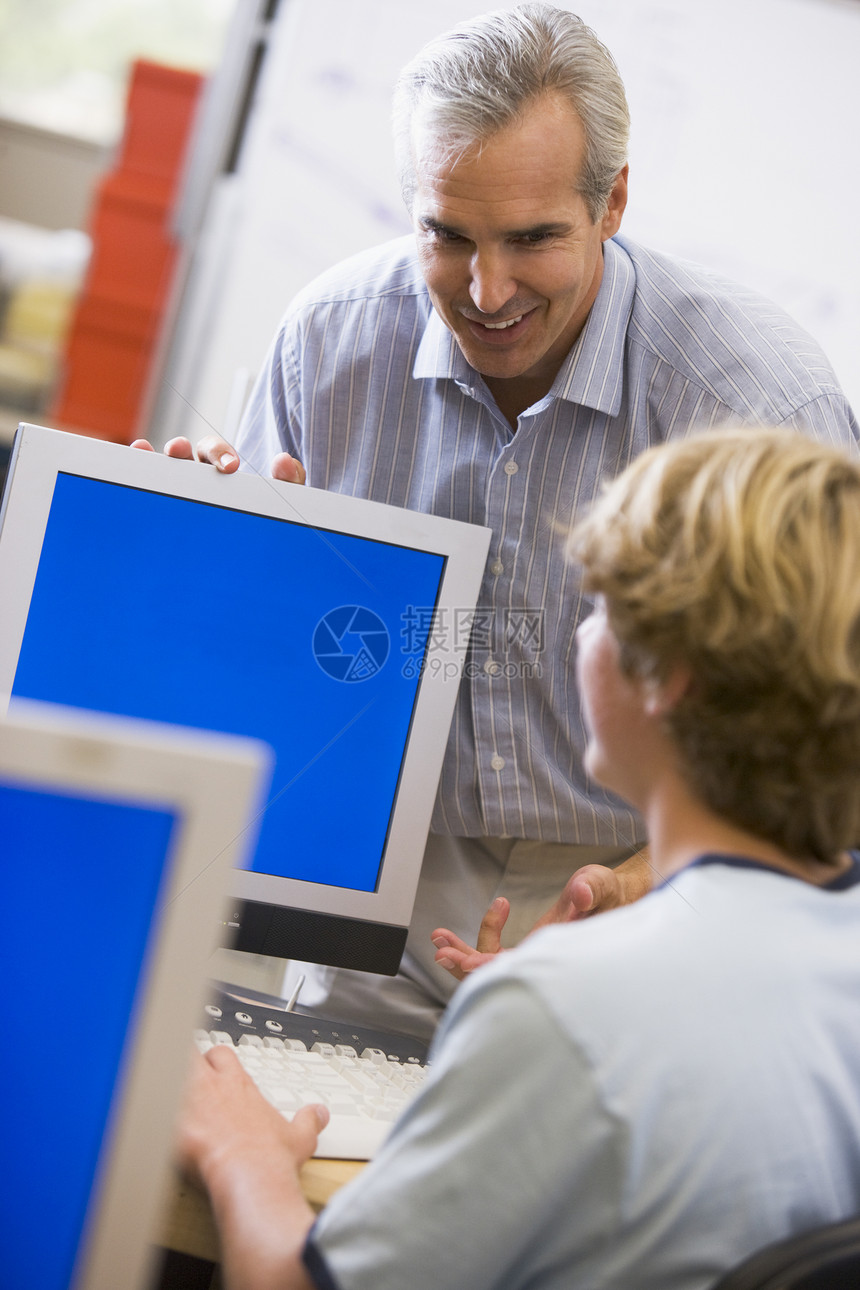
(368, 388)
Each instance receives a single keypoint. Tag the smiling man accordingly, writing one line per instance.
(496, 367)
(508, 249)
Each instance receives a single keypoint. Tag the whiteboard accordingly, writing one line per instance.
(743, 157)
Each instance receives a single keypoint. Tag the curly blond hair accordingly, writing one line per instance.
(737, 554)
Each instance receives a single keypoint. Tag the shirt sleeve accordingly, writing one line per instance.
(505, 1164)
(270, 422)
(828, 418)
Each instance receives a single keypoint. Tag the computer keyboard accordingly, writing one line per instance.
(365, 1076)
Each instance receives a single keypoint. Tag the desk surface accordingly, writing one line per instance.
(189, 1227)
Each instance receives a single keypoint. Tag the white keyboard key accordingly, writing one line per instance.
(249, 1060)
(375, 1055)
(309, 1096)
(379, 1109)
(351, 1137)
(394, 1095)
(357, 1080)
(271, 1060)
(251, 1041)
(373, 1070)
(220, 1037)
(285, 1101)
(338, 1102)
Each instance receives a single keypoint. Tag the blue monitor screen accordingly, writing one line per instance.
(75, 934)
(175, 610)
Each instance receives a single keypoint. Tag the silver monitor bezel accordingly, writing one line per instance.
(40, 453)
(214, 786)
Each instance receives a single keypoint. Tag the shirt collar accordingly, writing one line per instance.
(439, 355)
(849, 877)
(593, 372)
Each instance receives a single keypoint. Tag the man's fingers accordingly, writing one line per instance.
(459, 958)
(490, 932)
(224, 457)
(451, 952)
(218, 452)
(444, 940)
(585, 895)
(288, 469)
(459, 963)
(594, 889)
(179, 448)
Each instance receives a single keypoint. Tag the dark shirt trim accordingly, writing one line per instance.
(842, 882)
(316, 1266)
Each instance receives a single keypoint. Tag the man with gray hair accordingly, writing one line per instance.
(496, 367)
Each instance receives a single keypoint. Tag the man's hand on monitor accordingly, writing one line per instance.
(593, 889)
(223, 456)
(288, 469)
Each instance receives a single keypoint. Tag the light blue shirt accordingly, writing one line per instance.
(368, 388)
(641, 1100)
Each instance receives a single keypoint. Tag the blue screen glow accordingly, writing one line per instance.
(81, 880)
(178, 611)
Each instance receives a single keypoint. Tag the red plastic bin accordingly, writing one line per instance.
(160, 108)
(106, 368)
(133, 253)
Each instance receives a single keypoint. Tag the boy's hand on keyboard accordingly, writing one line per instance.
(248, 1157)
(226, 1119)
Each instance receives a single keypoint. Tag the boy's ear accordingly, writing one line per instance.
(662, 696)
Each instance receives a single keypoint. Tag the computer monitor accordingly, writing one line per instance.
(331, 627)
(118, 841)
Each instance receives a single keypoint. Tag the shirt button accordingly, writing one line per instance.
(497, 567)
(497, 762)
(511, 467)
(491, 667)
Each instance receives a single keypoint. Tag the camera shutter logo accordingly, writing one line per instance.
(351, 643)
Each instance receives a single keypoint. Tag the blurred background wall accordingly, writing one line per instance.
(743, 157)
(65, 68)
